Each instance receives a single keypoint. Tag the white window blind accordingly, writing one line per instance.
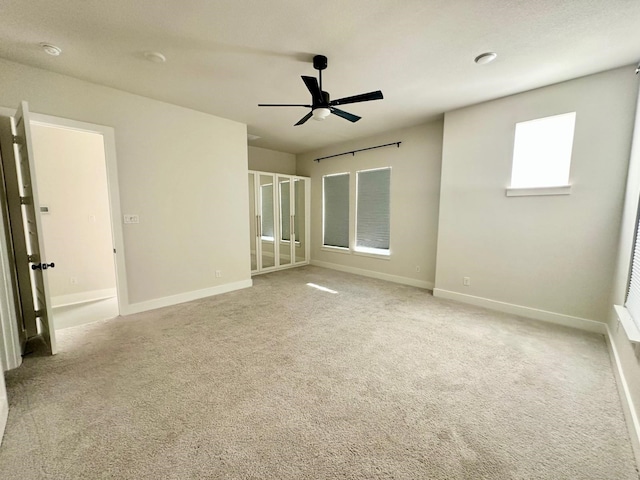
(633, 294)
(335, 210)
(373, 210)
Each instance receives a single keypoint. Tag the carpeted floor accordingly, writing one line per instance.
(288, 381)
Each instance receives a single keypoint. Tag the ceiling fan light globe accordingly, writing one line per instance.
(321, 113)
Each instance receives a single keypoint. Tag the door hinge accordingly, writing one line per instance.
(26, 200)
(33, 258)
(114, 250)
(39, 313)
(17, 139)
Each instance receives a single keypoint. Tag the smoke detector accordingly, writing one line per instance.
(485, 58)
(51, 49)
(155, 57)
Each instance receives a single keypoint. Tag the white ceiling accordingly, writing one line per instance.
(226, 56)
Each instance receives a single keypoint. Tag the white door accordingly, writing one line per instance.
(285, 220)
(33, 247)
(267, 221)
(301, 209)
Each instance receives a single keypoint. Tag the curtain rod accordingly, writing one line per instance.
(353, 152)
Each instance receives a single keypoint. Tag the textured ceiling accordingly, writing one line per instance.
(226, 56)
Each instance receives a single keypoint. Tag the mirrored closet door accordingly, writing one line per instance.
(279, 207)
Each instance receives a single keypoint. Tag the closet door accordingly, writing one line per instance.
(285, 217)
(301, 209)
(253, 223)
(267, 231)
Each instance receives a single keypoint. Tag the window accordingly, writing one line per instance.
(373, 211)
(542, 155)
(335, 210)
(633, 292)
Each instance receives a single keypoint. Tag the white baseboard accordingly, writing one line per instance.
(184, 297)
(82, 297)
(84, 313)
(373, 274)
(630, 412)
(544, 315)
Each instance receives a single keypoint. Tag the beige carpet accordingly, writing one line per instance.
(287, 381)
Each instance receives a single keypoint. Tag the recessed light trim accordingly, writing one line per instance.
(51, 49)
(155, 57)
(485, 58)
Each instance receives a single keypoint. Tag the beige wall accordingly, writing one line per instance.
(628, 354)
(72, 182)
(184, 172)
(552, 253)
(415, 188)
(265, 160)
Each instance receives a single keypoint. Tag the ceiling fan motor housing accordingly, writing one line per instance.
(325, 100)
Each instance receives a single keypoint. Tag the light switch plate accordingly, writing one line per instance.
(130, 218)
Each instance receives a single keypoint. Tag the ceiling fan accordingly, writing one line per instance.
(321, 104)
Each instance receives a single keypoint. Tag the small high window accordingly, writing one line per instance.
(542, 155)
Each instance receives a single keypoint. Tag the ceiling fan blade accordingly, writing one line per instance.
(283, 105)
(363, 97)
(346, 115)
(304, 119)
(314, 89)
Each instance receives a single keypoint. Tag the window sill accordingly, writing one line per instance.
(348, 251)
(327, 248)
(629, 326)
(381, 255)
(534, 191)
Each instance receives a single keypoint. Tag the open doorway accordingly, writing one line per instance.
(77, 226)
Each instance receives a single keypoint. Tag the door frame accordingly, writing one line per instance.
(109, 143)
(108, 136)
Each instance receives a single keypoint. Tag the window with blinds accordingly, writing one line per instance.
(335, 210)
(373, 211)
(633, 293)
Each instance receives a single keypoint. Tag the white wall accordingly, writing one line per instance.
(72, 183)
(183, 172)
(415, 188)
(265, 160)
(551, 253)
(628, 356)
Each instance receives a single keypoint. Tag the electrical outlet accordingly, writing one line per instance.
(466, 281)
(73, 280)
(131, 218)
(218, 273)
